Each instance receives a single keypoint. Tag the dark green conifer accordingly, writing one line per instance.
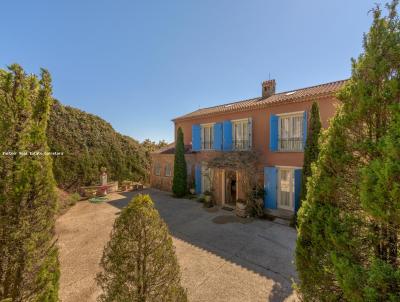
(311, 149)
(29, 269)
(179, 183)
(349, 224)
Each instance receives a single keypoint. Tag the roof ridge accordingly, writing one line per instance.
(313, 86)
(260, 100)
(230, 103)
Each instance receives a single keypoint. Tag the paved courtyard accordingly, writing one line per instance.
(222, 257)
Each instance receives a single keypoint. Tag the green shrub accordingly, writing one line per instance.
(74, 198)
(139, 262)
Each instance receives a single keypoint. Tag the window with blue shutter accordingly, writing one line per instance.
(196, 137)
(217, 144)
(197, 179)
(304, 129)
(227, 135)
(273, 133)
(297, 188)
(270, 186)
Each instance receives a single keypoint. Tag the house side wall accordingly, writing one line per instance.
(163, 182)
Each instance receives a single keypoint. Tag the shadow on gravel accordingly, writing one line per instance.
(223, 219)
(263, 247)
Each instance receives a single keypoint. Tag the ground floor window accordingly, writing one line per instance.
(286, 188)
(206, 178)
(157, 169)
(168, 170)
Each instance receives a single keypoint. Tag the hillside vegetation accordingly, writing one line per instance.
(89, 143)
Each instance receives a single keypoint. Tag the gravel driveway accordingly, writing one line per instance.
(222, 257)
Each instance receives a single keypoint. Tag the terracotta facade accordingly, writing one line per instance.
(260, 136)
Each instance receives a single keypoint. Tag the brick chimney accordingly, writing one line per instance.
(268, 88)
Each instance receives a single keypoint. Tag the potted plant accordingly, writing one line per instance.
(241, 204)
(191, 186)
(259, 194)
(241, 208)
(255, 205)
(208, 199)
(207, 196)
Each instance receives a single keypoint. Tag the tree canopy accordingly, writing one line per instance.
(348, 237)
(89, 143)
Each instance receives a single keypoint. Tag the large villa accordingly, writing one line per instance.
(273, 127)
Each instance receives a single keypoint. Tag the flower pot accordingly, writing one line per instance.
(192, 191)
(241, 212)
(241, 206)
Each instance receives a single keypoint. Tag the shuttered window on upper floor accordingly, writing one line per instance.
(242, 134)
(288, 132)
(207, 136)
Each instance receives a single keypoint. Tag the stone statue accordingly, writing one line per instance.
(103, 177)
(103, 180)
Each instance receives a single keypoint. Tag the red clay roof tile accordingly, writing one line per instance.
(282, 97)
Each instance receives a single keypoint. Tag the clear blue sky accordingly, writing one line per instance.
(138, 64)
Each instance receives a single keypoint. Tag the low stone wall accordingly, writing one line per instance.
(86, 191)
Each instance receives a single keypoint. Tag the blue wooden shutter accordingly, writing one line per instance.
(270, 182)
(273, 132)
(217, 144)
(197, 179)
(250, 129)
(304, 129)
(297, 188)
(227, 137)
(196, 137)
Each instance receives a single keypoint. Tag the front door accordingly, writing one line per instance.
(230, 187)
(285, 189)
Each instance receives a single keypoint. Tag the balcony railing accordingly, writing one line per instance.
(241, 144)
(291, 144)
(206, 145)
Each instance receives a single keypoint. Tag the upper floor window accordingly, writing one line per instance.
(290, 132)
(157, 169)
(241, 134)
(207, 136)
(168, 170)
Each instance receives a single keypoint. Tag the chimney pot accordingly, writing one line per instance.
(268, 88)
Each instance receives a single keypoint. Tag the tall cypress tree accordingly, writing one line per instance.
(311, 149)
(28, 255)
(179, 183)
(349, 224)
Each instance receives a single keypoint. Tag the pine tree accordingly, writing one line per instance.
(349, 225)
(311, 149)
(139, 262)
(29, 268)
(179, 183)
